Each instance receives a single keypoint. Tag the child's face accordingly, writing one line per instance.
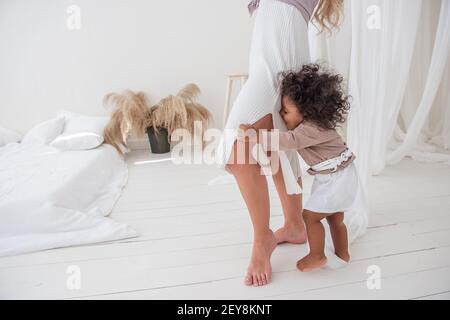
(290, 113)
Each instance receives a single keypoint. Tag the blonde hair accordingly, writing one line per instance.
(328, 14)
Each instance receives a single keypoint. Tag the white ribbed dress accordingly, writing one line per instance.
(279, 43)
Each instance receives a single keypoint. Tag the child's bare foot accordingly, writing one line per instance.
(311, 262)
(291, 234)
(259, 271)
(343, 255)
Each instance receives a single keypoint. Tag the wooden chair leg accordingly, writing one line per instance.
(243, 81)
(227, 102)
(230, 78)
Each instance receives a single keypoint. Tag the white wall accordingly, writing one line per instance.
(151, 45)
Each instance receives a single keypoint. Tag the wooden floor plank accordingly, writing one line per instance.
(349, 282)
(195, 242)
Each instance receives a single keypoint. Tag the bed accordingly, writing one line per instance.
(51, 198)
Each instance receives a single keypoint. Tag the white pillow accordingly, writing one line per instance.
(80, 132)
(8, 136)
(76, 123)
(77, 141)
(45, 132)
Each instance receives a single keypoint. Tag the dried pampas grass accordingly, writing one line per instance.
(132, 115)
(180, 111)
(169, 113)
(128, 117)
(113, 132)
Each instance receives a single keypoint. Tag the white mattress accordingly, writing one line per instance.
(50, 198)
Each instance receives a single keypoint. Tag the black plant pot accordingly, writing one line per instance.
(159, 141)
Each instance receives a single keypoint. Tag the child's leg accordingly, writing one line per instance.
(316, 239)
(339, 235)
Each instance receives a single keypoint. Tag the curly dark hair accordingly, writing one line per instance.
(318, 94)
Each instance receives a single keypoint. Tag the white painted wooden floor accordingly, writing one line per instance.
(195, 243)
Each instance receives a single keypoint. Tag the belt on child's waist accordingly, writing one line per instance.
(333, 163)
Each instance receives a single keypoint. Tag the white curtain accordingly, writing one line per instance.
(426, 128)
(395, 56)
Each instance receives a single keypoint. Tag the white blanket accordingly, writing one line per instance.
(51, 198)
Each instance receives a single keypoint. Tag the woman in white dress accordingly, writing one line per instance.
(279, 43)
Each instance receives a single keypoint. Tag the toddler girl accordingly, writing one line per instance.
(313, 105)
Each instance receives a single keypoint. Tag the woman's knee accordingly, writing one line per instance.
(243, 170)
(241, 159)
(241, 153)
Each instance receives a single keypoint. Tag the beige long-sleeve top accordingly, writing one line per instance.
(313, 143)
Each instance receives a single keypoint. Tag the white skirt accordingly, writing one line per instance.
(335, 192)
(279, 43)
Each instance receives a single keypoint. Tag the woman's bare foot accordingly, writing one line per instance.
(259, 271)
(291, 234)
(311, 262)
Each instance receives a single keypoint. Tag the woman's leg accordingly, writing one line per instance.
(253, 187)
(293, 230)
